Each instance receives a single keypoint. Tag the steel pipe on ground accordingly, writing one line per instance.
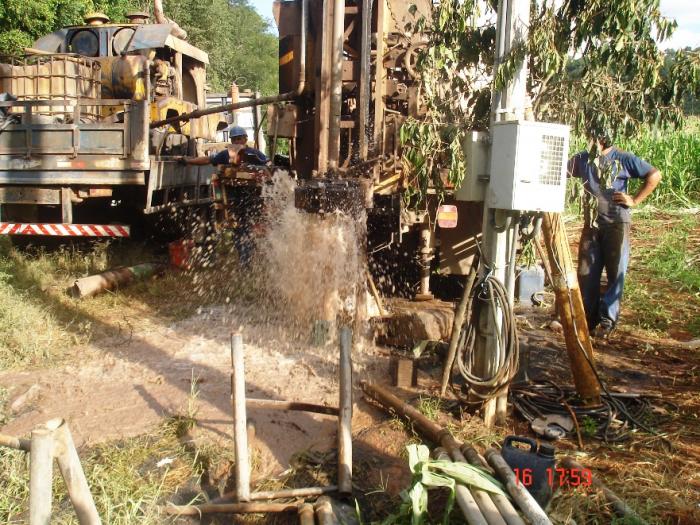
(517, 491)
(467, 500)
(442, 437)
(113, 279)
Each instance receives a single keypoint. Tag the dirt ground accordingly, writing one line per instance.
(125, 384)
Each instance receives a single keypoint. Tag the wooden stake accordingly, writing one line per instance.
(73, 475)
(40, 476)
(570, 307)
(240, 431)
(345, 418)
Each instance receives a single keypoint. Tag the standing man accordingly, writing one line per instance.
(605, 241)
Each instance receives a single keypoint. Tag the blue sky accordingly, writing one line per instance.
(686, 13)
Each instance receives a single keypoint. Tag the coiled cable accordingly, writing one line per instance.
(488, 292)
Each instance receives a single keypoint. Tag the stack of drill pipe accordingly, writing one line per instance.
(532, 511)
(476, 506)
(113, 279)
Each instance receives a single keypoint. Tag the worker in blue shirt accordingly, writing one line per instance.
(605, 239)
(235, 154)
(246, 201)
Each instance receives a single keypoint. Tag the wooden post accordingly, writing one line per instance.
(40, 476)
(73, 475)
(240, 431)
(345, 417)
(570, 308)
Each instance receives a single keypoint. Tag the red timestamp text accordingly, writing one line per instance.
(556, 477)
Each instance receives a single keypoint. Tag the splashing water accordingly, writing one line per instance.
(315, 264)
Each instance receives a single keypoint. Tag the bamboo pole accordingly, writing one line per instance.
(570, 307)
(518, 492)
(228, 508)
(345, 418)
(618, 505)
(40, 476)
(73, 475)
(240, 432)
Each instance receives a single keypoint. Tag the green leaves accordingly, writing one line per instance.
(429, 474)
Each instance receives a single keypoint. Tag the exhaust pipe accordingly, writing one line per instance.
(162, 19)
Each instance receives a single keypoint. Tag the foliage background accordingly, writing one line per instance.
(239, 41)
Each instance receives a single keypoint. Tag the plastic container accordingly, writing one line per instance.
(531, 465)
(180, 253)
(529, 282)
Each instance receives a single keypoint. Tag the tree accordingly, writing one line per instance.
(240, 44)
(592, 63)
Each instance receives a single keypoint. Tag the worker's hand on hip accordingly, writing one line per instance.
(623, 199)
(182, 161)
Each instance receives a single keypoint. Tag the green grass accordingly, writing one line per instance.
(677, 155)
(125, 481)
(39, 321)
(662, 289)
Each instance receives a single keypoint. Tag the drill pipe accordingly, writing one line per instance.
(438, 435)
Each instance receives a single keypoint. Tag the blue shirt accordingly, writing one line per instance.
(620, 167)
(247, 156)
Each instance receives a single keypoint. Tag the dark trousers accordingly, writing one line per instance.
(606, 246)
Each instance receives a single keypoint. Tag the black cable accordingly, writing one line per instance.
(488, 292)
(612, 425)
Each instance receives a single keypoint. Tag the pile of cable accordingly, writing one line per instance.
(487, 295)
(613, 421)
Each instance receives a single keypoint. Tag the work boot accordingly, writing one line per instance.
(604, 329)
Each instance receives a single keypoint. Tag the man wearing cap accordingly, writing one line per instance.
(247, 203)
(605, 241)
(238, 152)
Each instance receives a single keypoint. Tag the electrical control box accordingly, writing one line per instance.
(476, 149)
(528, 166)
